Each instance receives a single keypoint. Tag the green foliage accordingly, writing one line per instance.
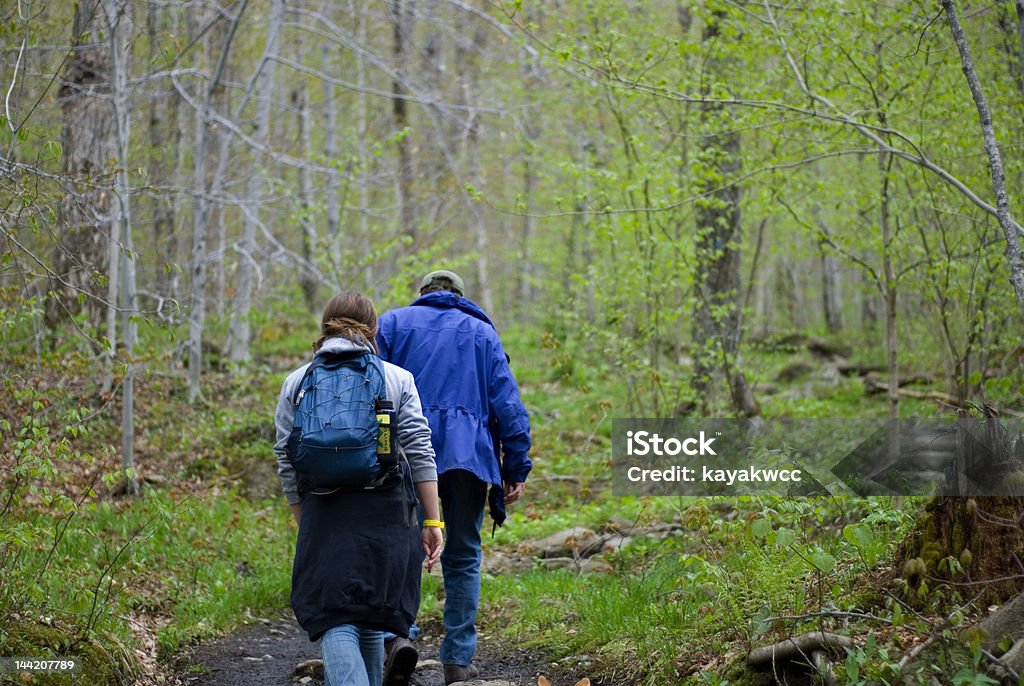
(77, 560)
(588, 144)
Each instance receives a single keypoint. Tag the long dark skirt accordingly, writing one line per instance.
(358, 559)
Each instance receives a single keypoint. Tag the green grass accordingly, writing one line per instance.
(209, 562)
(196, 553)
(687, 606)
(674, 605)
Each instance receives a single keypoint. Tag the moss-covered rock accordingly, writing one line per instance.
(105, 662)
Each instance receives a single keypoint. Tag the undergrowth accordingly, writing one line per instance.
(209, 543)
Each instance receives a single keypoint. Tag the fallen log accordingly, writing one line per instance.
(873, 386)
(798, 647)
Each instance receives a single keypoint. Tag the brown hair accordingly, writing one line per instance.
(352, 316)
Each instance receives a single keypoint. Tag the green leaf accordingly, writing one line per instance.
(784, 537)
(761, 528)
(822, 561)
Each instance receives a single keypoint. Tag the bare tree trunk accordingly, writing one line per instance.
(163, 124)
(526, 269)
(241, 326)
(201, 212)
(868, 304)
(404, 22)
(333, 178)
(889, 279)
(82, 258)
(300, 101)
(830, 291)
(1010, 228)
(1020, 47)
(119, 28)
(468, 76)
(1014, 36)
(364, 169)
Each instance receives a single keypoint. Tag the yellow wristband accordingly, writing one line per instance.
(434, 523)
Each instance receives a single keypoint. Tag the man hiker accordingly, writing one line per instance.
(472, 404)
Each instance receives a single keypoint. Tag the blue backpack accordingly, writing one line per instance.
(334, 439)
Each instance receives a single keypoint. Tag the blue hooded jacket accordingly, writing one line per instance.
(469, 395)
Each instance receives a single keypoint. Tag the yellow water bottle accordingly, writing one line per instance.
(386, 426)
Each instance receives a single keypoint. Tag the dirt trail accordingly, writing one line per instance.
(267, 653)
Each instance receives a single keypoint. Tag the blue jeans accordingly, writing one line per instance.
(463, 497)
(352, 656)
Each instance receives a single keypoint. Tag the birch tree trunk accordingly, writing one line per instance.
(467, 77)
(1011, 229)
(531, 134)
(201, 215)
(119, 30)
(241, 326)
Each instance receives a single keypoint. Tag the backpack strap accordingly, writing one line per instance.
(375, 362)
(318, 361)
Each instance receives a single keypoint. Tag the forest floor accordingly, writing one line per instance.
(271, 651)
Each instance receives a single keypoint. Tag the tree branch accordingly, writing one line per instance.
(995, 159)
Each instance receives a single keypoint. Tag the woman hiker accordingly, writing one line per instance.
(360, 549)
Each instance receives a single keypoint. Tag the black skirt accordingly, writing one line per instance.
(358, 558)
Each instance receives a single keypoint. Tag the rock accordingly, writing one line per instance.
(1014, 657)
(498, 563)
(596, 566)
(828, 350)
(558, 563)
(482, 682)
(794, 370)
(606, 544)
(618, 525)
(310, 668)
(562, 544)
(429, 664)
(591, 565)
(1005, 623)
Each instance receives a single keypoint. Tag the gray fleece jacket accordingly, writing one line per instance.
(413, 430)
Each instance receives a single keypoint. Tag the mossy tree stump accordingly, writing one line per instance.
(972, 538)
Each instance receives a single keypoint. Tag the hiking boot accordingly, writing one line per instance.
(456, 673)
(399, 662)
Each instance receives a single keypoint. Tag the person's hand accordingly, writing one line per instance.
(513, 491)
(432, 541)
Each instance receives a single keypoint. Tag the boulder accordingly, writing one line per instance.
(565, 543)
(1014, 657)
(1005, 624)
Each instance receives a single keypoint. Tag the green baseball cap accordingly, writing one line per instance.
(454, 281)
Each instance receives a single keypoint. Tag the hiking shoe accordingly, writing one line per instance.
(399, 662)
(456, 673)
